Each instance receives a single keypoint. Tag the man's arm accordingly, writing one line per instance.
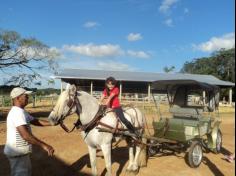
(26, 135)
(38, 122)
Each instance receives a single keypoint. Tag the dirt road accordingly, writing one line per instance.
(71, 156)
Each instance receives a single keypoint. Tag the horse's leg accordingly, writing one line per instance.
(143, 154)
(136, 159)
(131, 157)
(106, 150)
(92, 156)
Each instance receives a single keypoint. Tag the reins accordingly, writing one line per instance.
(71, 103)
(95, 121)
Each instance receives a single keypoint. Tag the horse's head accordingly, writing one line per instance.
(66, 105)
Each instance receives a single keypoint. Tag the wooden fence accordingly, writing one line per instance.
(50, 100)
(5, 101)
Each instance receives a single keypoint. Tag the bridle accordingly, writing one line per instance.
(71, 103)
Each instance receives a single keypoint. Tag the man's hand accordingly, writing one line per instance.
(48, 149)
(40, 122)
(26, 135)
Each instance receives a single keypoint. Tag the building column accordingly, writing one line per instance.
(149, 92)
(120, 91)
(230, 96)
(204, 97)
(91, 88)
(61, 86)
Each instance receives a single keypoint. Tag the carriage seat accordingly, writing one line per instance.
(178, 111)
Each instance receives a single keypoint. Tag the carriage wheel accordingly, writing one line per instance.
(195, 154)
(218, 142)
(153, 150)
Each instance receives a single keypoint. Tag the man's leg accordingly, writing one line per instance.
(20, 166)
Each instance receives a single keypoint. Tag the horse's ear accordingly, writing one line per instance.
(68, 86)
(73, 89)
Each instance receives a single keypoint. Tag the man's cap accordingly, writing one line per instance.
(16, 92)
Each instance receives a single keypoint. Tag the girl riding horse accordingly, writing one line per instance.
(110, 95)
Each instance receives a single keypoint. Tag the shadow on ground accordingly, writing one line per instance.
(119, 155)
(214, 169)
(225, 151)
(42, 165)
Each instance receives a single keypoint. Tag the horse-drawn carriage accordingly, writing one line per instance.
(192, 127)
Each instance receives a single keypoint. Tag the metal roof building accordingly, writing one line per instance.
(138, 82)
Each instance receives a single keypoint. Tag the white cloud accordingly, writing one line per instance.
(112, 65)
(134, 37)
(169, 22)
(91, 50)
(138, 54)
(166, 5)
(226, 41)
(90, 24)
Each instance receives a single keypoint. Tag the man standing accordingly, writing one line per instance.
(19, 137)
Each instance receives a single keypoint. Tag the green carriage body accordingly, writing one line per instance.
(181, 129)
(190, 127)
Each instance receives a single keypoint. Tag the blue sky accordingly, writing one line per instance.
(135, 35)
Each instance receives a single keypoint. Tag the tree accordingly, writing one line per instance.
(221, 64)
(22, 59)
(169, 69)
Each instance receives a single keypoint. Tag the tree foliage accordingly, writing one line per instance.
(23, 59)
(221, 64)
(168, 69)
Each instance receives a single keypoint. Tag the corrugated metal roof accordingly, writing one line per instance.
(137, 76)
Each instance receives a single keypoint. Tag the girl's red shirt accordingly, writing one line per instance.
(115, 102)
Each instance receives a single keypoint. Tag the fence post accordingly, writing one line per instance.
(230, 96)
(3, 101)
(34, 100)
(52, 100)
(143, 105)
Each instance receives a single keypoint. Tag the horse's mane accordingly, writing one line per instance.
(60, 103)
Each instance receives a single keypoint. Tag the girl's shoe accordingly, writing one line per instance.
(229, 158)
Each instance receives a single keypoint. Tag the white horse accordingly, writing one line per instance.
(72, 101)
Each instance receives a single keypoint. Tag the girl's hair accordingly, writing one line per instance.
(113, 82)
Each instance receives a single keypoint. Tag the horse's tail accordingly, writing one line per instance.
(143, 153)
(146, 128)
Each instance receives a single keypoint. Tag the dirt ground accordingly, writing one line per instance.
(71, 155)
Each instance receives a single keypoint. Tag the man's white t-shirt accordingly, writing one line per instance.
(15, 144)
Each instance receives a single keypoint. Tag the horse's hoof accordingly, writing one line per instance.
(129, 168)
(134, 172)
(131, 173)
(128, 171)
(135, 169)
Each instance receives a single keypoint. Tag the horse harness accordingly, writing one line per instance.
(71, 103)
(102, 111)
